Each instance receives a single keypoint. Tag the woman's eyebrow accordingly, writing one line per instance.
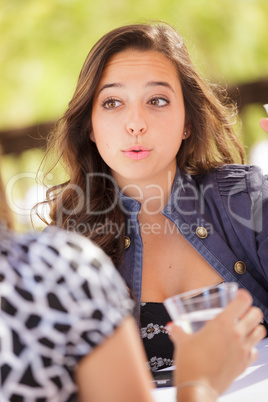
(111, 85)
(148, 84)
(159, 83)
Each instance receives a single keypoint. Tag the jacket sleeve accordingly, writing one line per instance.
(244, 192)
(260, 213)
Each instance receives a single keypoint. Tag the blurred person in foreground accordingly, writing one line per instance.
(67, 332)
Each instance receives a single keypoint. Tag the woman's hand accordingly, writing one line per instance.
(264, 124)
(222, 349)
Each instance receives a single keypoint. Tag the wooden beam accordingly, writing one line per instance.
(18, 140)
(249, 92)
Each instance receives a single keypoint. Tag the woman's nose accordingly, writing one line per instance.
(135, 129)
(136, 124)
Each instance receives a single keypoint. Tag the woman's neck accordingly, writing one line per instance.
(153, 194)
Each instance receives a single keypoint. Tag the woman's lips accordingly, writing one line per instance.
(137, 152)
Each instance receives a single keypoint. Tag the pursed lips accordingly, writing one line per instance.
(137, 152)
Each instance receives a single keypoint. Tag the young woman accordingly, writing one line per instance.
(150, 153)
(67, 331)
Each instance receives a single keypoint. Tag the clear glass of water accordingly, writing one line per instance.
(192, 309)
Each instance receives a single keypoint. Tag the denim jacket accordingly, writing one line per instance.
(224, 215)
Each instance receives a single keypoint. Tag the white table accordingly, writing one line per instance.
(251, 386)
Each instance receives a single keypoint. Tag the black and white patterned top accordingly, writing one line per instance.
(60, 298)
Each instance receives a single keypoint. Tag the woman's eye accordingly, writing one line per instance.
(159, 102)
(111, 103)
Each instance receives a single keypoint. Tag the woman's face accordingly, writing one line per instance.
(138, 117)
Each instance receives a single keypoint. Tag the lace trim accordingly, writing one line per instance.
(156, 363)
(153, 329)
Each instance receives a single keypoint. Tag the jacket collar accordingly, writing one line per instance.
(183, 199)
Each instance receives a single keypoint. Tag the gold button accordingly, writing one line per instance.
(240, 267)
(201, 232)
(127, 242)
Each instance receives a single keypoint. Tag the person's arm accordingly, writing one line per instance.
(208, 361)
(116, 370)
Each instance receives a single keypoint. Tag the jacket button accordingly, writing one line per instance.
(201, 232)
(240, 267)
(127, 242)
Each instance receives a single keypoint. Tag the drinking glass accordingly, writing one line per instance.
(192, 309)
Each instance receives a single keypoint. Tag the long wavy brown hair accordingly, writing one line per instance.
(5, 212)
(89, 188)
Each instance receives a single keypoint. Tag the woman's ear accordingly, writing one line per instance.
(187, 131)
(92, 136)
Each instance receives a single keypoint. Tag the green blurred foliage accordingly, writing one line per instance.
(44, 43)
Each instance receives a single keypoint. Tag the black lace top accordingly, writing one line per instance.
(158, 346)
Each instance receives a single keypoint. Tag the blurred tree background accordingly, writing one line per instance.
(44, 43)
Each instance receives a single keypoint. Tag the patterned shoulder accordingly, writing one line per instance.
(72, 254)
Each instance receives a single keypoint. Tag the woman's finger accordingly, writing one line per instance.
(237, 308)
(250, 320)
(256, 335)
(176, 332)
